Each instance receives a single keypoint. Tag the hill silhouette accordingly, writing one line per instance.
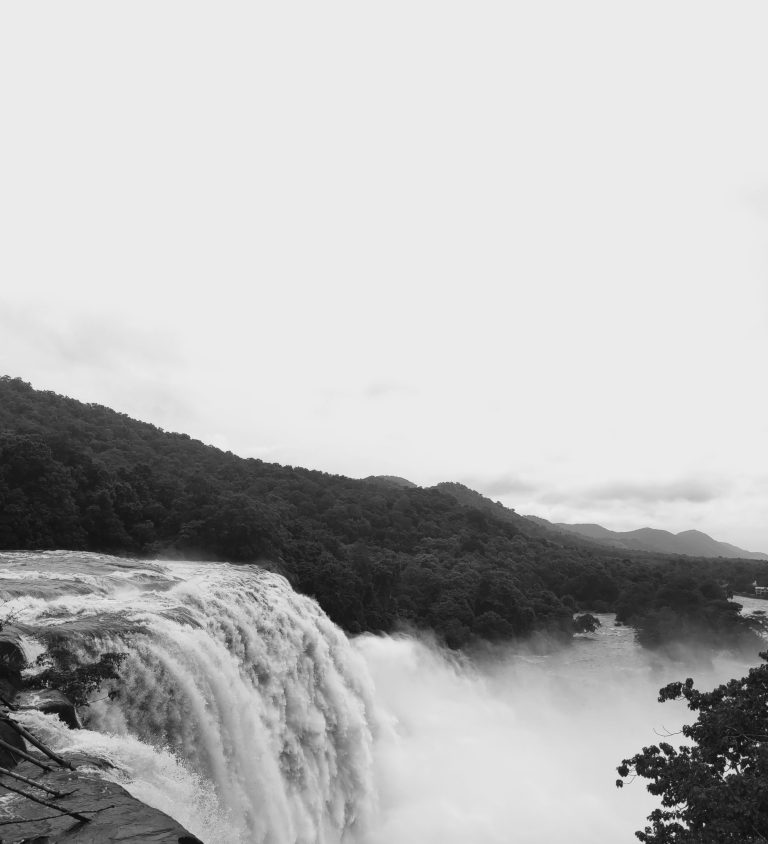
(693, 543)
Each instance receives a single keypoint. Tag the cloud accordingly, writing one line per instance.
(131, 367)
(504, 484)
(687, 490)
(61, 341)
(98, 341)
(374, 390)
(382, 389)
(690, 490)
(757, 200)
(261, 451)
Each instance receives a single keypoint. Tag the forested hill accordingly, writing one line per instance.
(375, 555)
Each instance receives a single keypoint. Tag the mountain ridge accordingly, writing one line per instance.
(690, 543)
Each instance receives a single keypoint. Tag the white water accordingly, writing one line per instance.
(521, 749)
(249, 717)
(243, 711)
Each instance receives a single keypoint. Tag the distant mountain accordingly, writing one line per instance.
(692, 543)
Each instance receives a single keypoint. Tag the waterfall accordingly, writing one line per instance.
(246, 715)
(242, 711)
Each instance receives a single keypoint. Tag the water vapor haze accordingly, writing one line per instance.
(519, 748)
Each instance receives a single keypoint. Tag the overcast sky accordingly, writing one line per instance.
(519, 245)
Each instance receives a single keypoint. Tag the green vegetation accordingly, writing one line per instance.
(714, 790)
(586, 623)
(376, 554)
(62, 672)
(683, 607)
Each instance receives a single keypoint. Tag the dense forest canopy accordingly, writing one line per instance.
(376, 554)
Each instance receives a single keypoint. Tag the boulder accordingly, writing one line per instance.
(12, 658)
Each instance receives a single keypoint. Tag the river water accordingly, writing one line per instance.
(247, 715)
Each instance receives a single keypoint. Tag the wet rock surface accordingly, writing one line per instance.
(8, 759)
(12, 661)
(115, 815)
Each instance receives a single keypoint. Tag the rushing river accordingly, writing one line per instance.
(247, 715)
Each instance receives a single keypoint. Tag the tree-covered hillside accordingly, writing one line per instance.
(375, 555)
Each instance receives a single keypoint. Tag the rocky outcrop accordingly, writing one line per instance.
(116, 817)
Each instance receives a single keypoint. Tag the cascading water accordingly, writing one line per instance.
(244, 713)
(242, 710)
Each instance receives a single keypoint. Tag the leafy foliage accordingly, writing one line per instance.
(77, 682)
(585, 623)
(685, 608)
(715, 790)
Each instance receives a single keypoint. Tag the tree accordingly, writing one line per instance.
(586, 623)
(78, 682)
(715, 790)
(37, 508)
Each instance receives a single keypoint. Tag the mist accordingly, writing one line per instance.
(519, 747)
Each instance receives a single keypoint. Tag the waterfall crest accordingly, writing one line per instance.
(242, 710)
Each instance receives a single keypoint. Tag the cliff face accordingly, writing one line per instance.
(113, 814)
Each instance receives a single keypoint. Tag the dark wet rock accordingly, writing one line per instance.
(116, 817)
(8, 690)
(51, 701)
(12, 658)
(8, 758)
